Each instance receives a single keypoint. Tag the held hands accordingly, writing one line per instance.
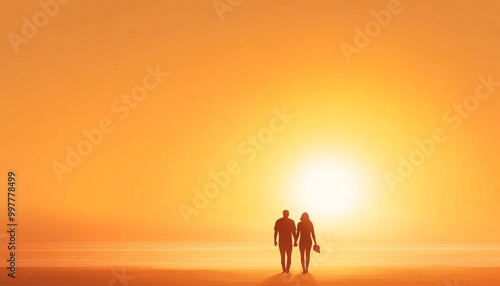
(295, 244)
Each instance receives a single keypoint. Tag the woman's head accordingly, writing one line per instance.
(305, 217)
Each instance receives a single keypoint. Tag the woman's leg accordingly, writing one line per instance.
(302, 257)
(308, 257)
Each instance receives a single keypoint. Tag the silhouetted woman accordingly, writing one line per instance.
(305, 229)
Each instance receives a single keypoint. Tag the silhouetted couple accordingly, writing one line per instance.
(285, 227)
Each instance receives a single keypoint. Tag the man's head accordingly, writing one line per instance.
(286, 214)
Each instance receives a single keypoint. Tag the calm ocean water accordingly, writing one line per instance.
(227, 255)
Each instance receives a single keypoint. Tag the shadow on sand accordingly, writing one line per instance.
(290, 280)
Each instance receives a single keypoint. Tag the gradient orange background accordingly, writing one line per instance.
(226, 77)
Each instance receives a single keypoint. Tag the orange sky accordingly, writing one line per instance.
(226, 80)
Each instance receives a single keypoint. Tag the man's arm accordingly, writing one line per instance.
(295, 235)
(275, 237)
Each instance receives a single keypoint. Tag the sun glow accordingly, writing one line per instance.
(329, 188)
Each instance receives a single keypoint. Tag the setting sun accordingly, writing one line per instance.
(330, 188)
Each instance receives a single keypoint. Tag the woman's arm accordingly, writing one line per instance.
(313, 234)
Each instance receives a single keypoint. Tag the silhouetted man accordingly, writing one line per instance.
(286, 229)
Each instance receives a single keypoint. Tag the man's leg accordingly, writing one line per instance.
(289, 258)
(282, 253)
